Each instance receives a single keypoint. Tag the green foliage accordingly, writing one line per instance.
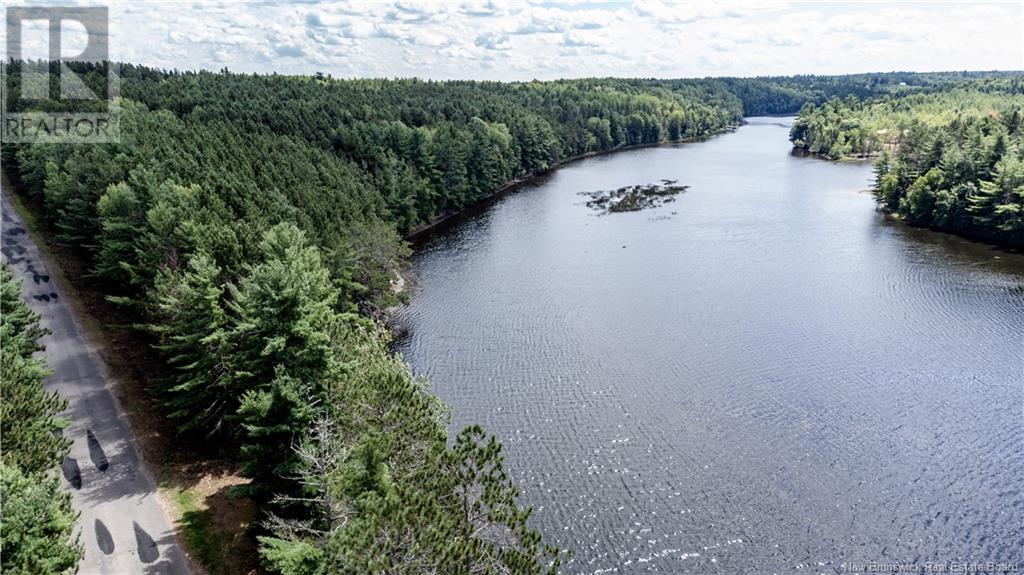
(241, 234)
(292, 557)
(122, 220)
(28, 414)
(955, 160)
(191, 323)
(245, 217)
(36, 532)
(280, 350)
(786, 95)
(390, 495)
(999, 203)
(457, 514)
(249, 359)
(376, 253)
(919, 202)
(852, 127)
(19, 325)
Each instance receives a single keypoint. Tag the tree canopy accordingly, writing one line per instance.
(252, 223)
(951, 160)
(37, 532)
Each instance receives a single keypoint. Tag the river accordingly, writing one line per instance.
(766, 375)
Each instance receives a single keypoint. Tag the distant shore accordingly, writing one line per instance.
(422, 229)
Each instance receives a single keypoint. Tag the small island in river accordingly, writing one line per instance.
(634, 198)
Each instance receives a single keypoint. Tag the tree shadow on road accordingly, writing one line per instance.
(151, 552)
(198, 468)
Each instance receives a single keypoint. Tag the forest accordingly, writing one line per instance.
(253, 223)
(950, 160)
(37, 533)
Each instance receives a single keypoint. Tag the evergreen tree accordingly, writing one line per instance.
(122, 221)
(390, 495)
(220, 217)
(999, 203)
(956, 162)
(38, 523)
(280, 351)
(37, 527)
(192, 328)
(28, 413)
(18, 323)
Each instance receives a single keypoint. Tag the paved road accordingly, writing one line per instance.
(123, 527)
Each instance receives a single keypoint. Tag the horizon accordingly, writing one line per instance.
(1008, 72)
(511, 287)
(522, 41)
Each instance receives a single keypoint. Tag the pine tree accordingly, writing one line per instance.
(280, 351)
(122, 222)
(388, 492)
(38, 523)
(192, 328)
(18, 323)
(28, 413)
(999, 203)
(36, 531)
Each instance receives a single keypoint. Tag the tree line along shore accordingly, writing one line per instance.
(251, 224)
(951, 159)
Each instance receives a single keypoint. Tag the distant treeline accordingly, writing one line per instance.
(953, 159)
(253, 222)
(773, 95)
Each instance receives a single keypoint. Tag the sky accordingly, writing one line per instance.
(496, 40)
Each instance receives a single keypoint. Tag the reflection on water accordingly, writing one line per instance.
(777, 377)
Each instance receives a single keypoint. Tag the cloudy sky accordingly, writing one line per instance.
(544, 40)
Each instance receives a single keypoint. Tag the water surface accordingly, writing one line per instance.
(766, 375)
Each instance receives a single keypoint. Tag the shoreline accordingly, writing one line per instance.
(968, 235)
(804, 152)
(402, 279)
(421, 230)
(980, 239)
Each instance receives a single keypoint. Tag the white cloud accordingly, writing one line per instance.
(484, 8)
(493, 41)
(577, 40)
(515, 40)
